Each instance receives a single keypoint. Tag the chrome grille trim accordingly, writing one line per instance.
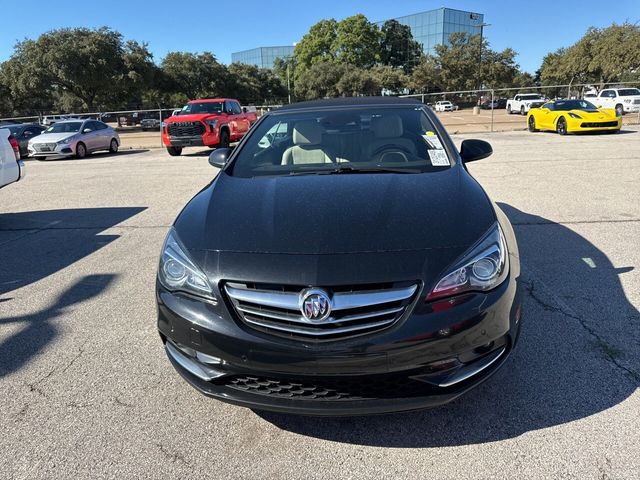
(352, 312)
(313, 331)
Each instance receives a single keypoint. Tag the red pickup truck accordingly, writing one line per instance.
(212, 122)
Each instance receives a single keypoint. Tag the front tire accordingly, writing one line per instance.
(561, 126)
(113, 146)
(522, 112)
(532, 124)
(174, 151)
(224, 139)
(508, 109)
(81, 150)
(619, 110)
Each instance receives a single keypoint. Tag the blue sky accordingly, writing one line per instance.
(531, 28)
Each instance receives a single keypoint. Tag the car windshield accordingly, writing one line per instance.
(626, 92)
(533, 96)
(202, 107)
(342, 140)
(64, 127)
(583, 105)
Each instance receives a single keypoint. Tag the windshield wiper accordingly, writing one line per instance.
(350, 169)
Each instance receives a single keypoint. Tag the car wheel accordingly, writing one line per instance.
(81, 150)
(532, 124)
(619, 110)
(508, 109)
(113, 147)
(174, 151)
(561, 126)
(522, 112)
(224, 139)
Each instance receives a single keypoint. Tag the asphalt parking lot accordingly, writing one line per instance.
(86, 390)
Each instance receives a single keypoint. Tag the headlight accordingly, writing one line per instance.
(482, 268)
(66, 141)
(177, 272)
(211, 123)
(574, 115)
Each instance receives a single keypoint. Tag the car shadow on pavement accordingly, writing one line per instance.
(121, 153)
(34, 245)
(570, 363)
(38, 328)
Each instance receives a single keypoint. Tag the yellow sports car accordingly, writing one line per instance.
(571, 116)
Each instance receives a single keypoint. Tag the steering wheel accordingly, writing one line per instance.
(378, 153)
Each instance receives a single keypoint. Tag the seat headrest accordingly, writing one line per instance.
(387, 126)
(307, 132)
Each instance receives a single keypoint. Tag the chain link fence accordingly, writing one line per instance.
(473, 111)
(485, 110)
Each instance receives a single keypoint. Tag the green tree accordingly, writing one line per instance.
(357, 42)
(357, 82)
(601, 56)
(320, 80)
(195, 75)
(317, 45)
(389, 78)
(425, 77)
(82, 62)
(398, 47)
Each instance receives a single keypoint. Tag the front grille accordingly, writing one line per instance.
(186, 129)
(598, 124)
(354, 310)
(354, 388)
(44, 147)
(636, 101)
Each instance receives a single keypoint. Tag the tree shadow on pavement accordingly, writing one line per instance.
(34, 245)
(570, 363)
(38, 329)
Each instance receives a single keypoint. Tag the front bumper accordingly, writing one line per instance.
(207, 139)
(57, 151)
(434, 354)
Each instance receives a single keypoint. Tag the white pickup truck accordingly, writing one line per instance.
(11, 167)
(523, 102)
(623, 100)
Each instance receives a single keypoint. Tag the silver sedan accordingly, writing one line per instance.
(74, 137)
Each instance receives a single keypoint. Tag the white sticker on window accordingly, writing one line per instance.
(438, 158)
(433, 141)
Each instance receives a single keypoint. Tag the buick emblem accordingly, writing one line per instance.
(315, 304)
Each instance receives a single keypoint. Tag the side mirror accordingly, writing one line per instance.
(86, 130)
(472, 150)
(219, 157)
(244, 109)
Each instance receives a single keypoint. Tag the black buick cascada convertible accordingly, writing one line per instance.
(342, 262)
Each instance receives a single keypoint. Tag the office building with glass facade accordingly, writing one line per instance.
(262, 57)
(434, 27)
(429, 28)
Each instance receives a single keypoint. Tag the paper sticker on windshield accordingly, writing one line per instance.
(439, 158)
(433, 142)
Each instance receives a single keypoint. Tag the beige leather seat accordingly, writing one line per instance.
(307, 136)
(387, 131)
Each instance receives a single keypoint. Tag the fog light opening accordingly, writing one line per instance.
(482, 349)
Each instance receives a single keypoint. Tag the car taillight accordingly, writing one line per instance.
(15, 146)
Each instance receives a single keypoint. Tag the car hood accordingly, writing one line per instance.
(334, 214)
(601, 114)
(51, 137)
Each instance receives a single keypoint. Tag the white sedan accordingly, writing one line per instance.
(74, 137)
